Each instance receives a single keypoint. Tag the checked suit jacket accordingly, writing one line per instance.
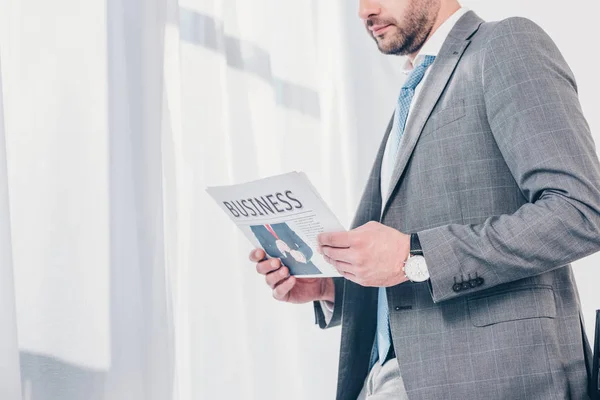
(498, 175)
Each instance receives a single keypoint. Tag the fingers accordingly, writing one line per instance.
(281, 292)
(334, 239)
(276, 277)
(341, 266)
(339, 254)
(266, 266)
(257, 255)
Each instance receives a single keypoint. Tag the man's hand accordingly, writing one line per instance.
(286, 287)
(370, 255)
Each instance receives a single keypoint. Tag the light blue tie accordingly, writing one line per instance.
(383, 336)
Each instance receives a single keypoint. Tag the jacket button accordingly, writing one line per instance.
(465, 286)
(457, 287)
(397, 308)
(479, 281)
(473, 283)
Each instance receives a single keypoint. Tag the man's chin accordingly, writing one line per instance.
(387, 48)
(387, 43)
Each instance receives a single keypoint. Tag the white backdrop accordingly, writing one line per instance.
(119, 277)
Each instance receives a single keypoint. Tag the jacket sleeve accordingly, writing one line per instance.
(536, 119)
(336, 318)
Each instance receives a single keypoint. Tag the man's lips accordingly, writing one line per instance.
(378, 29)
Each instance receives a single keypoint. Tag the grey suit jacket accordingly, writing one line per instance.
(499, 177)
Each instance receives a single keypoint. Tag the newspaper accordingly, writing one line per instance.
(283, 215)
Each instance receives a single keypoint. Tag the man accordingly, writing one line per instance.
(488, 179)
(276, 239)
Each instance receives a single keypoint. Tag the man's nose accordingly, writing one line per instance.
(368, 8)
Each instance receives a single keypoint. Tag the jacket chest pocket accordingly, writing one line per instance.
(444, 117)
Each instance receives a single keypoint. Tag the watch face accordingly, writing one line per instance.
(416, 269)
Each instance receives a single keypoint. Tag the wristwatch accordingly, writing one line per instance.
(415, 267)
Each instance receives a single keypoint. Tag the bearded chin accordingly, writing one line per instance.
(400, 45)
(404, 43)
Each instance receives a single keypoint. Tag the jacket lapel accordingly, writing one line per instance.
(441, 71)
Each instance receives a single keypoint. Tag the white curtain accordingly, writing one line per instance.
(263, 90)
(83, 107)
(119, 277)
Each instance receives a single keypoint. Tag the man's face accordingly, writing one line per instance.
(399, 26)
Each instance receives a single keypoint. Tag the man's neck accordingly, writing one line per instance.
(446, 11)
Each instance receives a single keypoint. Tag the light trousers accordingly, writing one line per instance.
(384, 382)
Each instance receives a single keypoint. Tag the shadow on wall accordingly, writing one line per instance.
(205, 31)
(47, 378)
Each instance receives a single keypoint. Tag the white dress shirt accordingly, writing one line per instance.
(431, 47)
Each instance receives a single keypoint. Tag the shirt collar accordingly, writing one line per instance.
(434, 43)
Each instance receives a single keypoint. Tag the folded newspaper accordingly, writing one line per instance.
(282, 214)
